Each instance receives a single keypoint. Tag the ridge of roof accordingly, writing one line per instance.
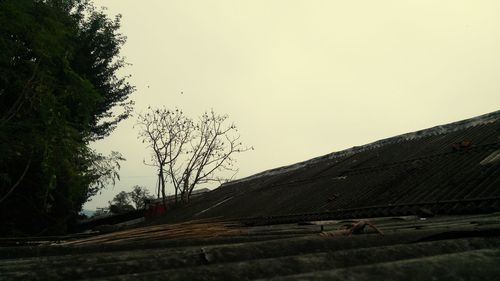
(432, 131)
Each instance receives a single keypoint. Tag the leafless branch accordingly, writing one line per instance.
(192, 152)
(19, 180)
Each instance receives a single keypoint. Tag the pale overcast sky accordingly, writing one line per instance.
(305, 78)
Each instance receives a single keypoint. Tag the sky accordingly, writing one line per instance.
(301, 79)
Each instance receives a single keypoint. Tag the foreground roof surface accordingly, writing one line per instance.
(420, 206)
(439, 248)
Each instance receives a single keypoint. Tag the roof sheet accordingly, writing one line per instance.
(452, 169)
(445, 248)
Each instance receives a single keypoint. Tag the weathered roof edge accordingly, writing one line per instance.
(436, 130)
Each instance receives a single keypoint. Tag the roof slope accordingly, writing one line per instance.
(448, 248)
(451, 168)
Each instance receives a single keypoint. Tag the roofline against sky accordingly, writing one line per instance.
(432, 131)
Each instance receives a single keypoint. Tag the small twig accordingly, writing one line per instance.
(17, 182)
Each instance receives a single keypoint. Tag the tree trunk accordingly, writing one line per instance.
(185, 190)
(162, 180)
(158, 188)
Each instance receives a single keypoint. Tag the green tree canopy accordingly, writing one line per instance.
(121, 203)
(139, 195)
(59, 90)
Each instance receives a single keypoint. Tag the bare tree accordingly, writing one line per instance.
(212, 147)
(189, 153)
(166, 132)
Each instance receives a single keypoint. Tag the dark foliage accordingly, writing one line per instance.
(58, 91)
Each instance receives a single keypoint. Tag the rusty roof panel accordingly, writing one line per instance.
(442, 164)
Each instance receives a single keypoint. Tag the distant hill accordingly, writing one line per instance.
(88, 213)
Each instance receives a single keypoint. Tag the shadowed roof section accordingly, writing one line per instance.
(446, 248)
(431, 199)
(451, 168)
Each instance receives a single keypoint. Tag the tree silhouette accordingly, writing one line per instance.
(189, 153)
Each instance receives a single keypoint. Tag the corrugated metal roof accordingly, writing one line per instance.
(449, 170)
(441, 248)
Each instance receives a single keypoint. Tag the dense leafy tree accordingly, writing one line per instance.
(139, 195)
(59, 90)
(128, 201)
(121, 203)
